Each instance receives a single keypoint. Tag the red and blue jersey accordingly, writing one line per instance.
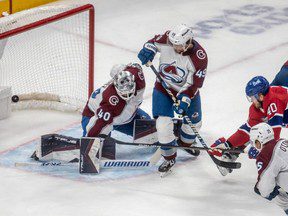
(274, 111)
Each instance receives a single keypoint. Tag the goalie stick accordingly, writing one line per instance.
(104, 164)
(231, 165)
(235, 165)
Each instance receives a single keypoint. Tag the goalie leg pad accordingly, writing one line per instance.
(128, 127)
(90, 154)
(57, 147)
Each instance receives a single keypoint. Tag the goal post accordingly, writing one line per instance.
(49, 51)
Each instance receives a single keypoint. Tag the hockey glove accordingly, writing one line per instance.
(147, 53)
(184, 103)
(273, 194)
(253, 153)
(220, 143)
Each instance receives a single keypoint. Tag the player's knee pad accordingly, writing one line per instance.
(164, 126)
(186, 133)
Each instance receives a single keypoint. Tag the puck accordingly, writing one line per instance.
(15, 98)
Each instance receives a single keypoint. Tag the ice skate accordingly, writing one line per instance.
(166, 166)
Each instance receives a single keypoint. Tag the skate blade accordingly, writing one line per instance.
(164, 174)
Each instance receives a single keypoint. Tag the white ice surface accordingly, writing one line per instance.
(194, 188)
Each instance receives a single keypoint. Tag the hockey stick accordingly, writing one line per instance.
(157, 144)
(103, 164)
(231, 165)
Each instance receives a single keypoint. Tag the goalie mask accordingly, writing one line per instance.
(125, 85)
(263, 133)
(116, 69)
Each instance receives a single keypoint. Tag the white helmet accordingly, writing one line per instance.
(262, 132)
(125, 85)
(181, 35)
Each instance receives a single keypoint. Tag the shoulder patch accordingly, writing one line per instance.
(201, 54)
(113, 100)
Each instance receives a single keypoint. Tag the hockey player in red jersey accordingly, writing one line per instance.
(116, 104)
(182, 66)
(269, 104)
(272, 165)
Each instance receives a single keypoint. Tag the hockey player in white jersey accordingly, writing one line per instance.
(272, 165)
(182, 66)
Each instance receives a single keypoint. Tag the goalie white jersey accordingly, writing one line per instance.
(107, 109)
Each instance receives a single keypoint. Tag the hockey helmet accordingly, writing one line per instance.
(262, 132)
(181, 35)
(116, 68)
(125, 85)
(255, 86)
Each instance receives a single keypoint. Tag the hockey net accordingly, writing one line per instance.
(47, 56)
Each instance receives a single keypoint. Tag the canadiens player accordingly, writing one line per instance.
(182, 66)
(269, 104)
(116, 104)
(272, 165)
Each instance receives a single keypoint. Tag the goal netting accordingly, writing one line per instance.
(47, 55)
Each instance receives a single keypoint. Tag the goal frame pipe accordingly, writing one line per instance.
(60, 16)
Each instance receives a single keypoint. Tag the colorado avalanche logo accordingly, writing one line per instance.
(200, 54)
(113, 100)
(172, 72)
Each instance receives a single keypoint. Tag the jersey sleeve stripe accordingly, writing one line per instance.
(245, 128)
(276, 121)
